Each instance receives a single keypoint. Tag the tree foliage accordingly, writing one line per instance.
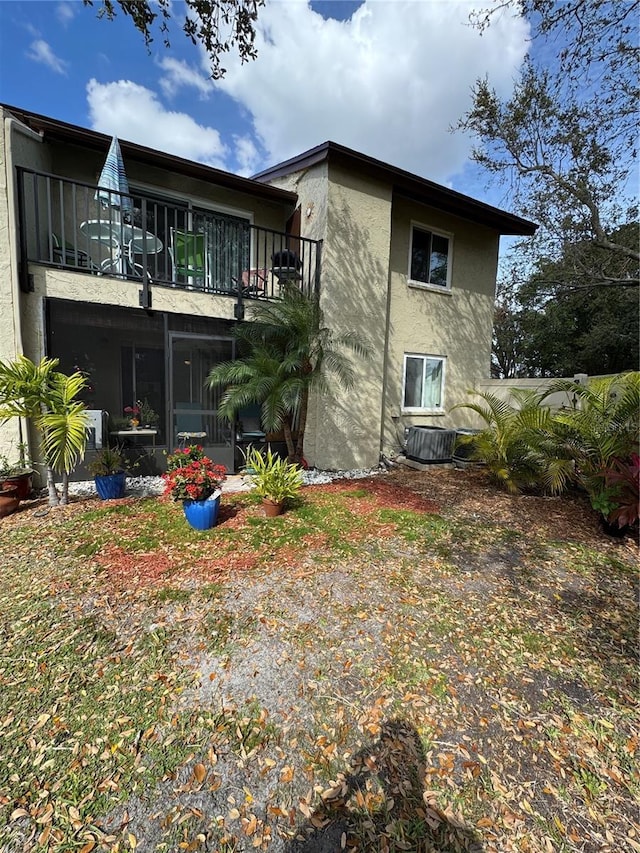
(218, 25)
(566, 139)
(553, 324)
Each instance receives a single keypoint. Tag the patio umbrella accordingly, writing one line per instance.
(113, 181)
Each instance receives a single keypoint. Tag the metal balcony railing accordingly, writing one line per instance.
(154, 244)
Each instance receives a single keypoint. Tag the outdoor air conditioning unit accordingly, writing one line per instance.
(428, 444)
(95, 429)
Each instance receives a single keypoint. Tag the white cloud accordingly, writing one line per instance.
(389, 82)
(40, 51)
(247, 155)
(178, 74)
(134, 113)
(65, 13)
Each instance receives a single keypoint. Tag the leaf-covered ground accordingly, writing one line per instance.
(411, 662)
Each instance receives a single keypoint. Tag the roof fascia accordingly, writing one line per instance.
(408, 185)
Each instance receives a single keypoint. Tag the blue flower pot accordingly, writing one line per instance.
(110, 486)
(202, 515)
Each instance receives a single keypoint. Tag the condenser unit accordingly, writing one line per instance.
(428, 444)
(95, 428)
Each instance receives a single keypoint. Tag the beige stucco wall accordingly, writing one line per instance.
(365, 260)
(455, 324)
(18, 147)
(352, 214)
(312, 188)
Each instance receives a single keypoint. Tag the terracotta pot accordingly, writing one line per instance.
(272, 508)
(23, 482)
(9, 501)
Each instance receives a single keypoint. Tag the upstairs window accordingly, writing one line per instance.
(429, 257)
(423, 382)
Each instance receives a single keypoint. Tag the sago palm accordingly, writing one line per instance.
(286, 350)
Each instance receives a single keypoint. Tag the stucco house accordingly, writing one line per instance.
(140, 290)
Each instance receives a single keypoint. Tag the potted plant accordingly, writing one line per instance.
(149, 418)
(275, 480)
(108, 471)
(48, 399)
(18, 474)
(133, 413)
(9, 500)
(195, 480)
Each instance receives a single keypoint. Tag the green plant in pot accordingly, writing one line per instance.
(275, 480)
(49, 399)
(149, 418)
(108, 471)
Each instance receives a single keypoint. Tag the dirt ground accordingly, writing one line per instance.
(468, 493)
(461, 677)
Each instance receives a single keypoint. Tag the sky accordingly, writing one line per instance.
(386, 77)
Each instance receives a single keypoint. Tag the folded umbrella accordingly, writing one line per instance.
(113, 181)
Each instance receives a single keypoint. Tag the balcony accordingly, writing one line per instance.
(147, 241)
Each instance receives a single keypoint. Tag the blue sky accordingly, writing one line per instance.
(386, 77)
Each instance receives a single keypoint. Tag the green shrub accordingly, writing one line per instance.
(108, 461)
(518, 444)
(275, 479)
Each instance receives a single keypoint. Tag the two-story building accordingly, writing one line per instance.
(140, 290)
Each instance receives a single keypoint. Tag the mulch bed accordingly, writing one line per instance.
(468, 492)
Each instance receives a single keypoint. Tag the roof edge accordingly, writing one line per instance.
(58, 129)
(408, 184)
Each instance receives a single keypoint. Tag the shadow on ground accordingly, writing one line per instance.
(381, 804)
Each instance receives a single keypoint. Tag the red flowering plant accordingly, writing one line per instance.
(192, 479)
(133, 411)
(182, 456)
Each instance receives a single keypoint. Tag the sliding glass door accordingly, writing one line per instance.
(193, 403)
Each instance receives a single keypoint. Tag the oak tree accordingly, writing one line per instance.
(218, 25)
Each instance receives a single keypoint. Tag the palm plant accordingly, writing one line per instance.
(602, 427)
(518, 445)
(41, 394)
(287, 352)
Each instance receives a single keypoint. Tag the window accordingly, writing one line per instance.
(423, 382)
(429, 260)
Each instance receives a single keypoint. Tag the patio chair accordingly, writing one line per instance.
(188, 258)
(254, 283)
(69, 255)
